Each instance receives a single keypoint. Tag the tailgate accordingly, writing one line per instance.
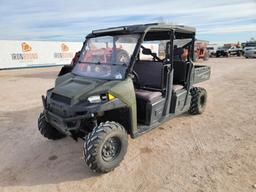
(201, 73)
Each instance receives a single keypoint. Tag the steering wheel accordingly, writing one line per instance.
(136, 79)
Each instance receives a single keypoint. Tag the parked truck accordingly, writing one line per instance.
(212, 49)
(250, 49)
(230, 50)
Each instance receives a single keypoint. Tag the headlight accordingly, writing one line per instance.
(94, 99)
(100, 98)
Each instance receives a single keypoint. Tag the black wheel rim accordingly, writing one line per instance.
(111, 149)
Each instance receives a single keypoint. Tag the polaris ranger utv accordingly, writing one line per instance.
(108, 95)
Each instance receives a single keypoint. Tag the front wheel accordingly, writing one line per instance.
(105, 147)
(47, 130)
(198, 101)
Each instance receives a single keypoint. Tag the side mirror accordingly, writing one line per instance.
(146, 51)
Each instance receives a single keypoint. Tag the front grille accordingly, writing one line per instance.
(58, 112)
(60, 98)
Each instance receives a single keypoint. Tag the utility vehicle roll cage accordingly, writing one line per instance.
(154, 31)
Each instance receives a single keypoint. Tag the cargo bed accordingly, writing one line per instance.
(201, 73)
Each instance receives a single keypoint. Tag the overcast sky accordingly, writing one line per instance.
(215, 20)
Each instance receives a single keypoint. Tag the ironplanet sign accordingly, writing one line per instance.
(26, 55)
(18, 54)
(64, 54)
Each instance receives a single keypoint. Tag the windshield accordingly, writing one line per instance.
(250, 44)
(106, 57)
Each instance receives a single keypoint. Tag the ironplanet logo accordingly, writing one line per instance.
(26, 54)
(64, 54)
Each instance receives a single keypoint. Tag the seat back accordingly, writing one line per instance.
(180, 72)
(150, 74)
(180, 67)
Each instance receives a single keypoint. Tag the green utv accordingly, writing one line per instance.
(127, 81)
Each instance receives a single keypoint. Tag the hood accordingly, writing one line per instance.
(75, 87)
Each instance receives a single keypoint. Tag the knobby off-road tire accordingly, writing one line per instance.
(105, 147)
(198, 101)
(47, 130)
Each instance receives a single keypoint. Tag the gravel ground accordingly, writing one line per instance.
(214, 151)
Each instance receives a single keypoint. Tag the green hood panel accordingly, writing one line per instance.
(77, 87)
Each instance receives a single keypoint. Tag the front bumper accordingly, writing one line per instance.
(67, 118)
(64, 124)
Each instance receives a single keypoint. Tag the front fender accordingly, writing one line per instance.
(125, 92)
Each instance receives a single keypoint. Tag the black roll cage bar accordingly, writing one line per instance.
(143, 30)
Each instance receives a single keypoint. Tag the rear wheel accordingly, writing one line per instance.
(198, 101)
(105, 147)
(47, 130)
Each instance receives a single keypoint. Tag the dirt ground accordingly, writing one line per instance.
(214, 151)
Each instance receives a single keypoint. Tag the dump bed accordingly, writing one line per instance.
(201, 73)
